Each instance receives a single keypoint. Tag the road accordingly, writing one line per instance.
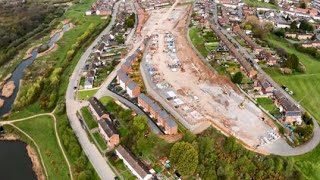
(314, 141)
(96, 159)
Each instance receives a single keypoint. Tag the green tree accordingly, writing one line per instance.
(184, 157)
(292, 61)
(140, 123)
(237, 78)
(303, 5)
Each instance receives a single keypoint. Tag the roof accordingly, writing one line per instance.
(97, 106)
(155, 107)
(132, 161)
(101, 46)
(171, 94)
(145, 98)
(171, 123)
(120, 72)
(285, 103)
(128, 63)
(132, 85)
(163, 114)
(293, 113)
(88, 82)
(124, 78)
(107, 127)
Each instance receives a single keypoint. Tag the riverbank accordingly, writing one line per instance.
(36, 165)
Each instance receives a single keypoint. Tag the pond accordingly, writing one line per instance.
(15, 162)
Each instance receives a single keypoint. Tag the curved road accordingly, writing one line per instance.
(314, 141)
(97, 160)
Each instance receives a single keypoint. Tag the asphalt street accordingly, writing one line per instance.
(96, 159)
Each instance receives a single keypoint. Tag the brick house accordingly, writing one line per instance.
(109, 132)
(155, 110)
(97, 109)
(291, 112)
(120, 73)
(133, 90)
(145, 102)
(127, 66)
(163, 117)
(171, 126)
(266, 87)
(124, 81)
(134, 165)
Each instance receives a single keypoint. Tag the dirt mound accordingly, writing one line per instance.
(8, 89)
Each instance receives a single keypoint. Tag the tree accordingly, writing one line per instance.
(307, 118)
(274, 2)
(292, 61)
(139, 123)
(184, 157)
(306, 26)
(303, 5)
(237, 78)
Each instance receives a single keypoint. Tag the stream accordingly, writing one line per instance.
(18, 73)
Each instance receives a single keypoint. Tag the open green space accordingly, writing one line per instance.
(305, 86)
(41, 129)
(105, 100)
(101, 142)
(122, 169)
(88, 118)
(203, 40)
(257, 3)
(198, 41)
(268, 105)
(306, 90)
(86, 94)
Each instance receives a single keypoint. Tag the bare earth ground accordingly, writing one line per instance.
(218, 99)
(36, 166)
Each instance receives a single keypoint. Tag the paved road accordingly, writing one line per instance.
(314, 141)
(96, 159)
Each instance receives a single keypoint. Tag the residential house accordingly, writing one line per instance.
(266, 87)
(171, 126)
(133, 90)
(88, 83)
(155, 110)
(124, 80)
(127, 66)
(163, 117)
(145, 102)
(291, 112)
(304, 36)
(120, 73)
(97, 109)
(134, 165)
(109, 132)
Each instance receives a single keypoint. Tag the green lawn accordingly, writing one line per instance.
(256, 3)
(122, 169)
(86, 94)
(306, 90)
(100, 140)
(198, 41)
(268, 105)
(88, 118)
(105, 100)
(41, 129)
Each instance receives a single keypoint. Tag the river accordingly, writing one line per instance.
(15, 162)
(18, 73)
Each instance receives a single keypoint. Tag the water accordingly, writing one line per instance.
(15, 164)
(17, 74)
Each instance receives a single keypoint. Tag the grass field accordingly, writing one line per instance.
(41, 129)
(105, 100)
(306, 88)
(122, 169)
(268, 105)
(86, 94)
(88, 118)
(198, 41)
(100, 140)
(256, 3)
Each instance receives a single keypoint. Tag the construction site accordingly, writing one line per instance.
(194, 91)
